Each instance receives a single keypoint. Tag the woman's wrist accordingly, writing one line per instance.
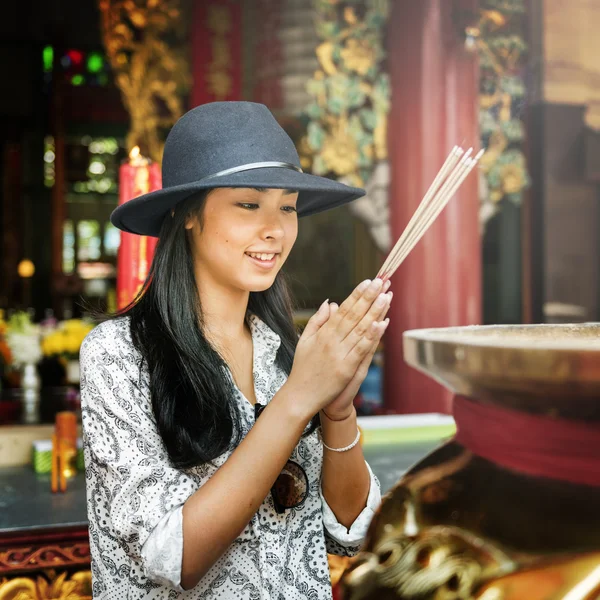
(339, 433)
(290, 403)
(337, 418)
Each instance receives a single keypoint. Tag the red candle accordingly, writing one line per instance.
(137, 176)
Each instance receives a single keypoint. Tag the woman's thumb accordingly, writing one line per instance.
(317, 320)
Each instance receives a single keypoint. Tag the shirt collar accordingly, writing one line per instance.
(265, 341)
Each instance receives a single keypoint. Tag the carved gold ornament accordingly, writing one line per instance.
(346, 133)
(359, 55)
(78, 586)
(340, 151)
(145, 42)
(440, 564)
(498, 37)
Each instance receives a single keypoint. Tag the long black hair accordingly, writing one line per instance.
(191, 391)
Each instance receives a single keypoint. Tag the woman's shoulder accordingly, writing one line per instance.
(113, 335)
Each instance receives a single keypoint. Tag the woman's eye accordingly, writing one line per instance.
(248, 205)
(291, 209)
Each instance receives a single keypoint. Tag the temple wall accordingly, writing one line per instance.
(565, 219)
(299, 40)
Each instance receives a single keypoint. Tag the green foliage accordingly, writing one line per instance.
(502, 91)
(351, 92)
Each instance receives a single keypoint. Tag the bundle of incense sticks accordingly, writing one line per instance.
(450, 177)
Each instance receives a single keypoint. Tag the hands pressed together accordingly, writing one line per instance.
(336, 348)
(331, 361)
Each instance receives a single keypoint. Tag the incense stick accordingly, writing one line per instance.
(432, 216)
(447, 167)
(444, 187)
(439, 203)
(432, 210)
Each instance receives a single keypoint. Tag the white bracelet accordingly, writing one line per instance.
(346, 448)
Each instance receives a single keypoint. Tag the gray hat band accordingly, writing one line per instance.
(251, 166)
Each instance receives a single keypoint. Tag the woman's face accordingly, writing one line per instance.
(244, 236)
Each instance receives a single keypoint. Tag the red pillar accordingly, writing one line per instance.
(434, 107)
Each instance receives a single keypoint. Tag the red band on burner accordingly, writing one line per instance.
(536, 445)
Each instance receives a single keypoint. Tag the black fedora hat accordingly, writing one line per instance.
(228, 144)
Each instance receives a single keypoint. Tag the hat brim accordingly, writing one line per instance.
(144, 215)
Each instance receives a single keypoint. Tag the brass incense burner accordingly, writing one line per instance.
(458, 526)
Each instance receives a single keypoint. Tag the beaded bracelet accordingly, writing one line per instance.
(346, 448)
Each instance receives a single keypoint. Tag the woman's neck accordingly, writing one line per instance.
(223, 314)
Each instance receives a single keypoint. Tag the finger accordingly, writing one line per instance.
(376, 313)
(363, 368)
(317, 320)
(385, 309)
(350, 314)
(354, 297)
(382, 314)
(378, 316)
(351, 300)
(369, 356)
(365, 344)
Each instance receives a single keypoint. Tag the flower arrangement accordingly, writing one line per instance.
(64, 340)
(23, 340)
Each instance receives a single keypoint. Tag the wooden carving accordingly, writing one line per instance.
(145, 42)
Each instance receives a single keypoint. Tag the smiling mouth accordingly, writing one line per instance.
(262, 256)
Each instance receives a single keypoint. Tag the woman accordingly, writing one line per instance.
(206, 474)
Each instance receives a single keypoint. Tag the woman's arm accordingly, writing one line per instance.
(218, 512)
(330, 350)
(345, 479)
(125, 454)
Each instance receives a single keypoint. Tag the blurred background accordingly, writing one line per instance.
(373, 92)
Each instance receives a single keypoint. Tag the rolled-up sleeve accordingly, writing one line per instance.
(163, 551)
(347, 542)
(134, 477)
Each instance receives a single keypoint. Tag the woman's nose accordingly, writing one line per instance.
(273, 228)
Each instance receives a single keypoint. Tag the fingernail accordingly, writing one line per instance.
(386, 285)
(390, 295)
(364, 285)
(376, 284)
(386, 323)
(324, 304)
(381, 301)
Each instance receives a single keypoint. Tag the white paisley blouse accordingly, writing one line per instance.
(135, 496)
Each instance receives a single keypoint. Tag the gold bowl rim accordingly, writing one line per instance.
(512, 337)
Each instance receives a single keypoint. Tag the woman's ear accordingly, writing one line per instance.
(190, 221)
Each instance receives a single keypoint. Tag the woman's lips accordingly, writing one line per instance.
(263, 264)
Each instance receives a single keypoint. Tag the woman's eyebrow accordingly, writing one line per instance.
(286, 192)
